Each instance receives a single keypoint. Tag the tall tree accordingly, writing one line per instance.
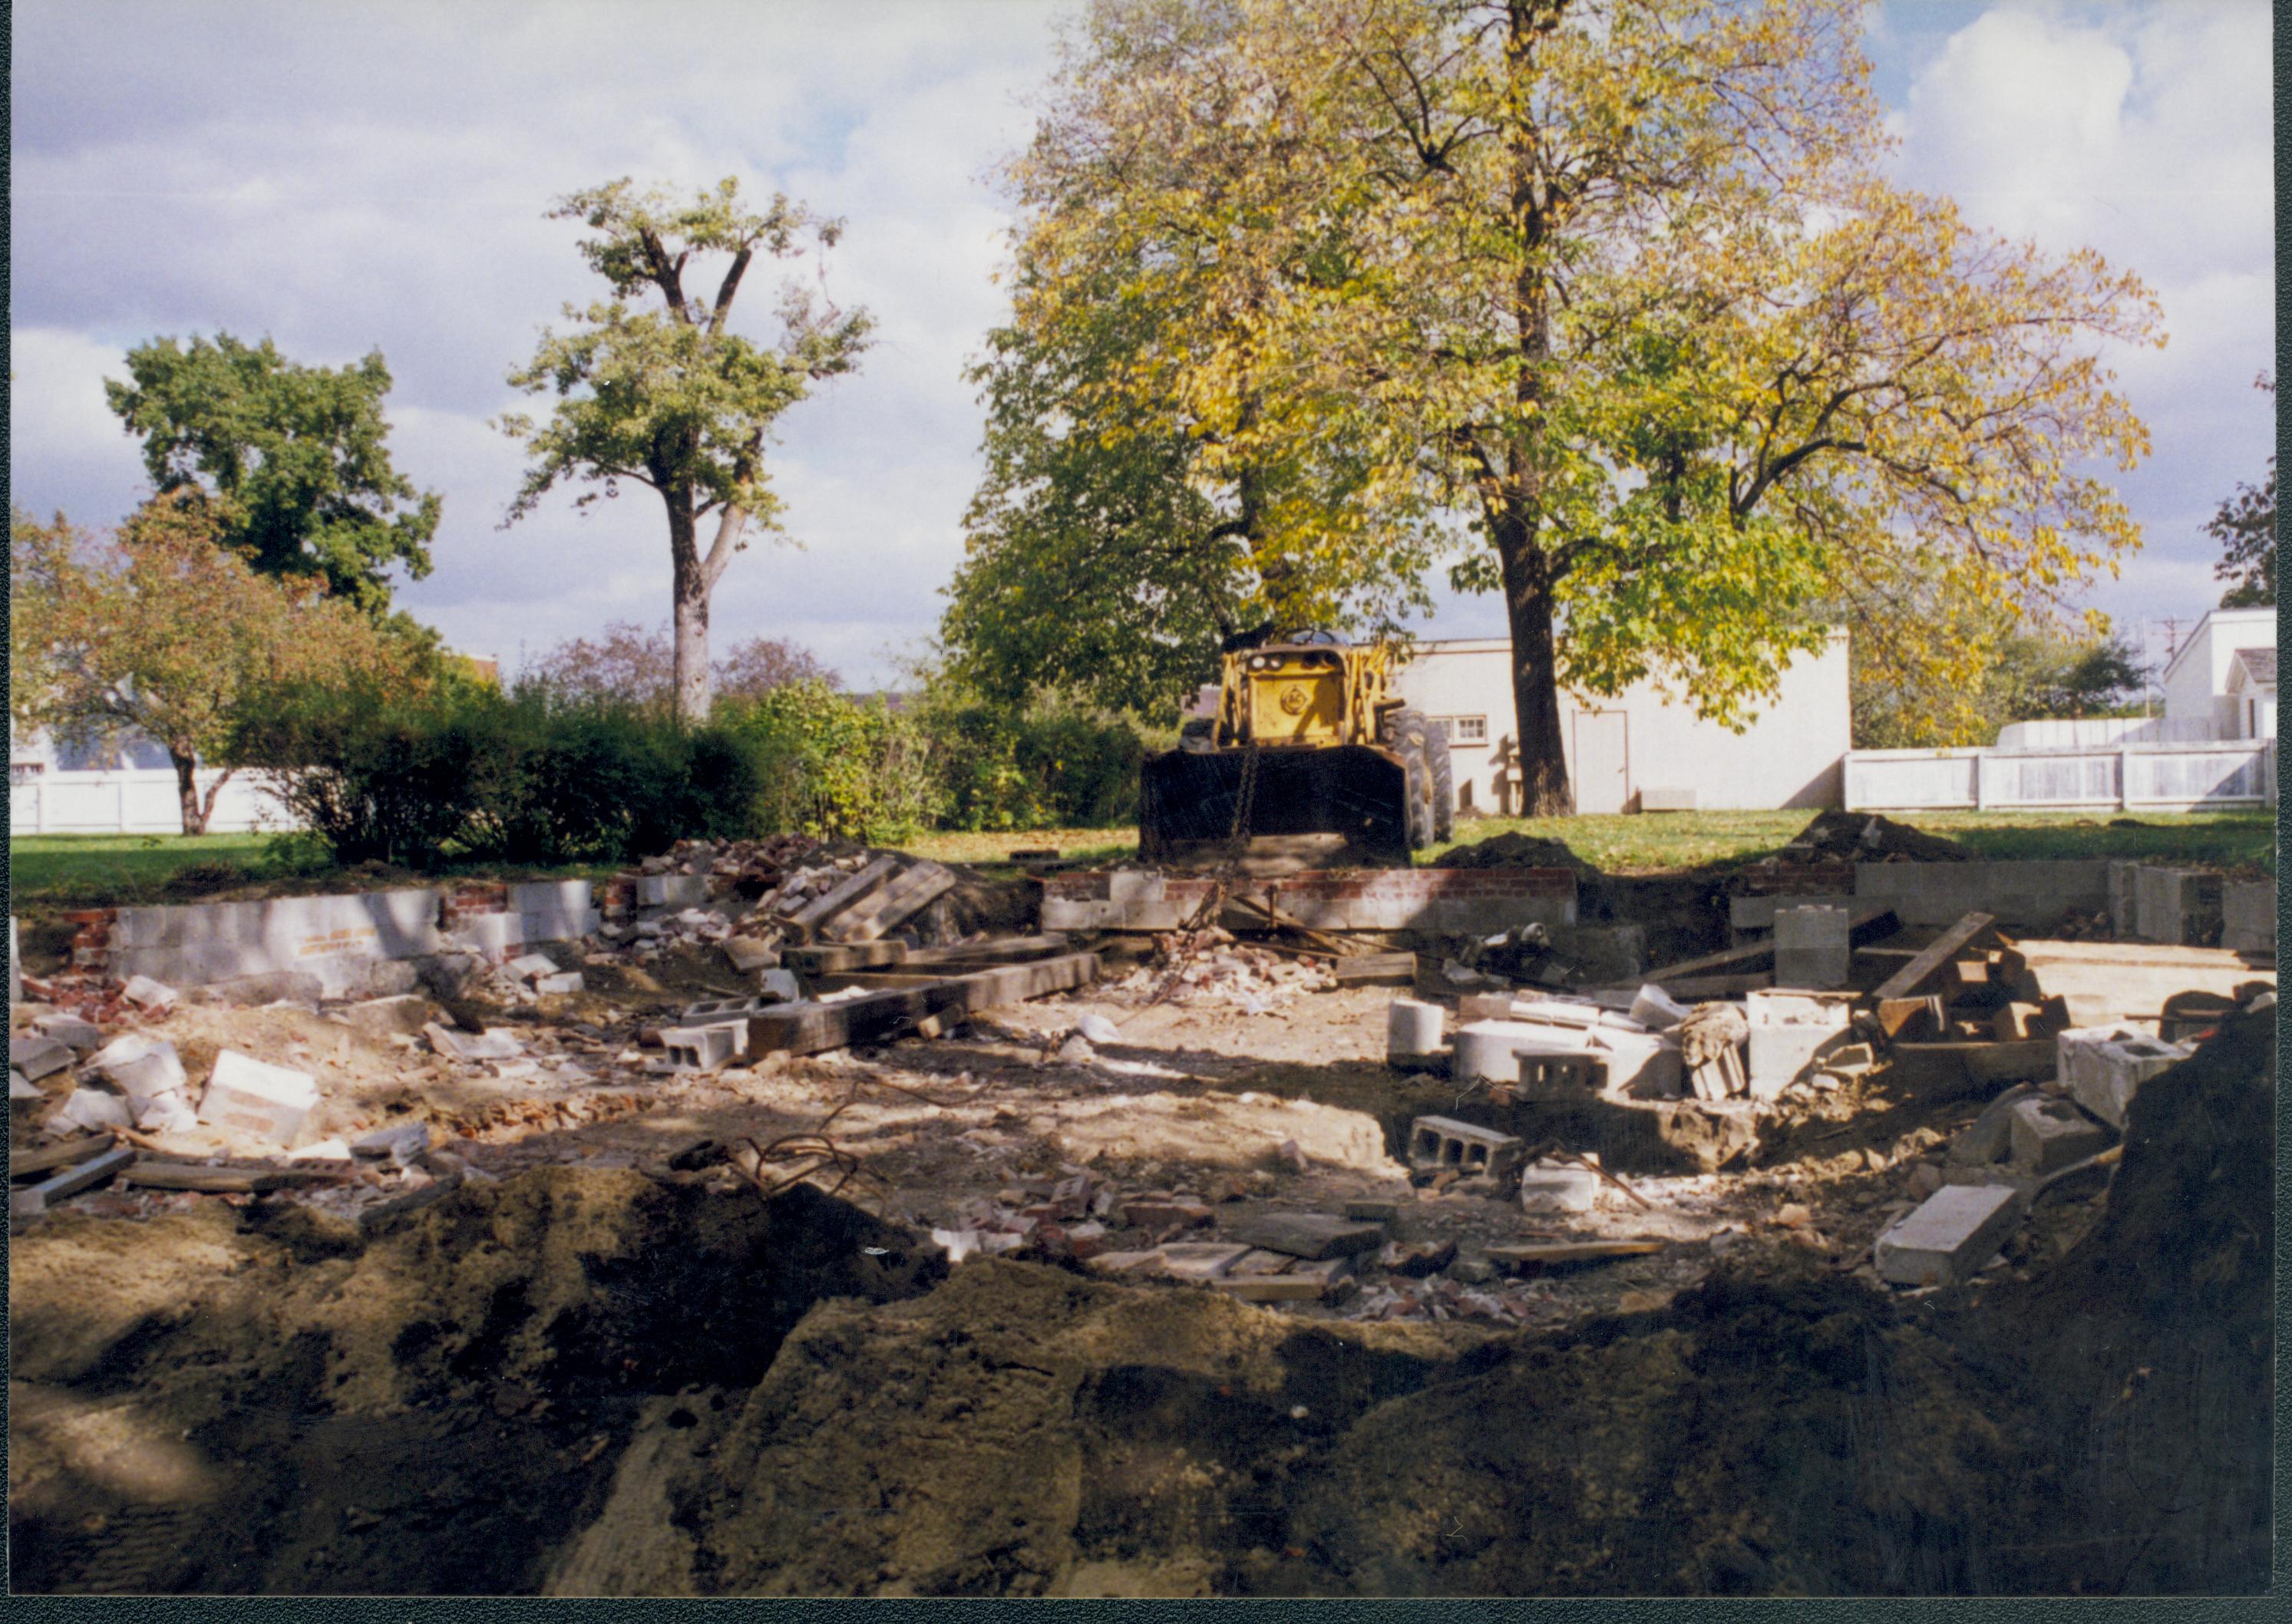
(2246, 527)
(160, 631)
(292, 458)
(673, 398)
(1617, 283)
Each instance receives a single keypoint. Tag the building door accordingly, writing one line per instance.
(1602, 760)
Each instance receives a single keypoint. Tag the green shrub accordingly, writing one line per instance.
(1050, 766)
(833, 767)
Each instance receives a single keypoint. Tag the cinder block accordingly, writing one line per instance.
(2177, 905)
(1133, 885)
(705, 1048)
(1991, 1136)
(271, 1101)
(69, 1031)
(1810, 947)
(2249, 917)
(671, 890)
(1545, 1075)
(495, 935)
(1640, 1065)
(1414, 1038)
(2104, 1072)
(2048, 1134)
(1443, 1143)
(1950, 1235)
(1791, 1032)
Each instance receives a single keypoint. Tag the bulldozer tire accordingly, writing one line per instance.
(1444, 785)
(1198, 736)
(1410, 737)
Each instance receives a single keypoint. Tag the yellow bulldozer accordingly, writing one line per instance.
(1309, 739)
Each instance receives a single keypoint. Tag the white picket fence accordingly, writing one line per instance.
(2217, 776)
(2105, 732)
(133, 800)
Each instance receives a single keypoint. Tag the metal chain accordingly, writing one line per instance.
(1185, 945)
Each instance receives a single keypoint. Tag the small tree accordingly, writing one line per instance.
(162, 632)
(670, 398)
(291, 458)
(2246, 527)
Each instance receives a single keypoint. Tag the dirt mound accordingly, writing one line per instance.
(2153, 1375)
(274, 1405)
(1866, 838)
(1515, 850)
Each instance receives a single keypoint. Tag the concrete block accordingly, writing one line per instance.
(493, 1045)
(671, 891)
(554, 910)
(145, 993)
(69, 1031)
(705, 1048)
(2104, 1075)
(1200, 1259)
(529, 966)
(2249, 917)
(564, 981)
(2049, 1133)
(1949, 1236)
(2029, 896)
(1544, 1189)
(271, 1101)
(1133, 885)
(1414, 1039)
(37, 1056)
(93, 1110)
(1641, 1065)
(779, 987)
(2177, 905)
(1791, 1032)
(497, 936)
(1812, 947)
(1444, 1143)
(1576, 1076)
(1991, 1136)
(20, 1090)
(166, 1113)
(1310, 1235)
(141, 1066)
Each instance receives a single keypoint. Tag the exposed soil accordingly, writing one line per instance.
(596, 1379)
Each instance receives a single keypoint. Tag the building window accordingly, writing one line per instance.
(1464, 730)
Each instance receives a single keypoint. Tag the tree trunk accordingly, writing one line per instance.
(195, 811)
(1545, 791)
(695, 691)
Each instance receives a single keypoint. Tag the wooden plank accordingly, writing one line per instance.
(1749, 954)
(877, 1017)
(995, 949)
(806, 920)
(845, 956)
(1947, 1070)
(197, 1175)
(1901, 1019)
(71, 1152)
(902, 898)
(33, 1199)
(2041, 951)
(1274, 916)
(1376, 970)
(1549, 1255)
(1912, 976)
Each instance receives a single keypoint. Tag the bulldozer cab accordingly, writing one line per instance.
(1308, 689)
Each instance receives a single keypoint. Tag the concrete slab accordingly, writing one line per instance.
(1559, 1190)
(1791, 1032)
(68, 1030)
(1949, 1236)
(272, 1102)
(37, 1056)
(1311, 1235)
(141, 1066)
(1200, 1259)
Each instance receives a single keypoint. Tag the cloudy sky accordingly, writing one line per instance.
(345, 177)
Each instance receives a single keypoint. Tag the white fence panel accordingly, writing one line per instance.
(2103, 732)
(135, 801)
(2187, 776)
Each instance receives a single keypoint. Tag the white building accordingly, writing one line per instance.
(1639, 751)
(2196, 680)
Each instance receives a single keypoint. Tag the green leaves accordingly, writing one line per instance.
(293, 459)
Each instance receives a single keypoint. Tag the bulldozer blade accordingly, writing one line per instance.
(1355, 791)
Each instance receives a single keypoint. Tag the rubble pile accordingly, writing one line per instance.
(1212, 967)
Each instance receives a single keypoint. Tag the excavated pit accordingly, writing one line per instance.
(592, 1383)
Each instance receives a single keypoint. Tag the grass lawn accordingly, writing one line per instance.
(1675, 842)
(52, 871)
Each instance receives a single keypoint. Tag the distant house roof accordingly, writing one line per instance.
(2258, 667)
